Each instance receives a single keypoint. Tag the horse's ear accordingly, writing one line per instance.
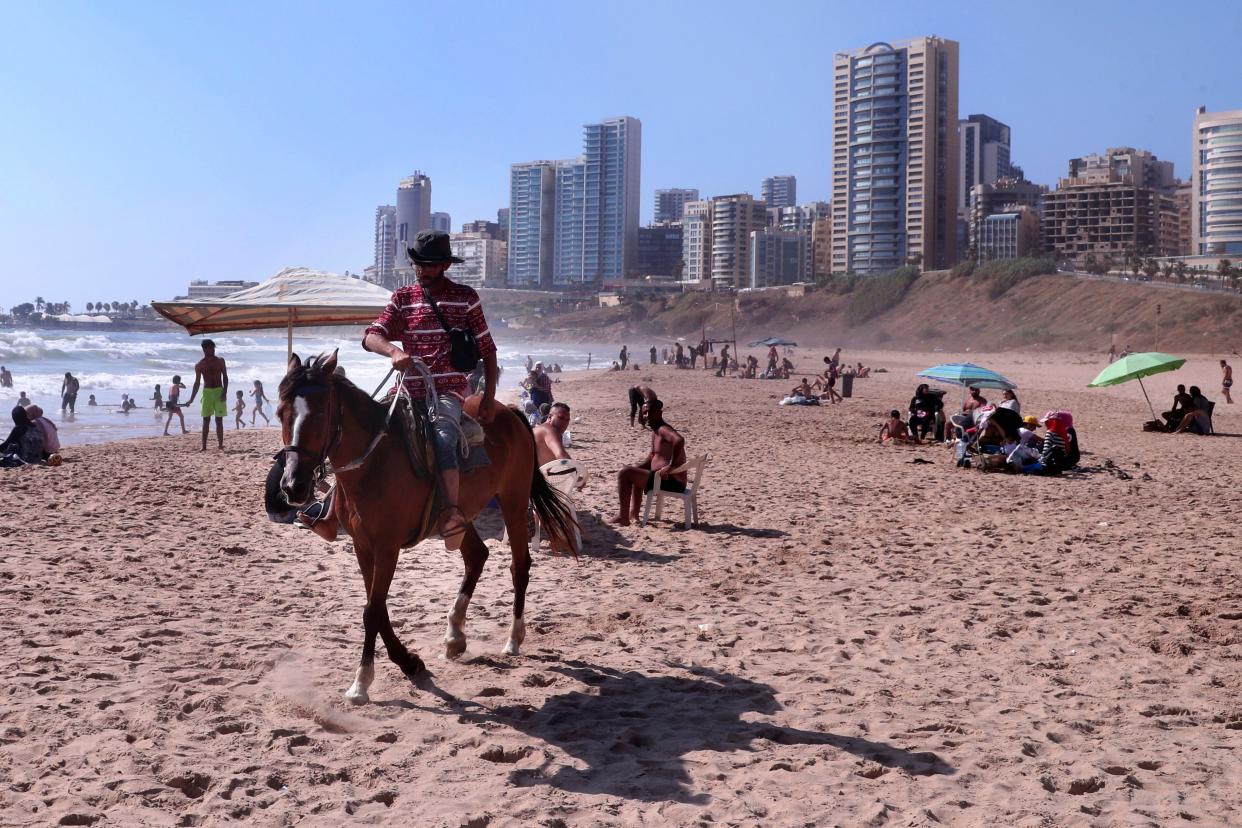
(294, 363)
(329, 364)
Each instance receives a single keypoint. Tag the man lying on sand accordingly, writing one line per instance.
(668, 449)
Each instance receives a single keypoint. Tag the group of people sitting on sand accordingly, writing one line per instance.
(1191, 413)
(996, 434)
(32, 440)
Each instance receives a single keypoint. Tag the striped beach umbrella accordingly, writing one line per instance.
(967, 374)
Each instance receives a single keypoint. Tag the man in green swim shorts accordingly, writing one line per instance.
(214, 378)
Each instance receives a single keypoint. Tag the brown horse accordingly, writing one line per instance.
(383, 502)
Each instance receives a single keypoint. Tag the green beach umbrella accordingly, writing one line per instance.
(1135, 367)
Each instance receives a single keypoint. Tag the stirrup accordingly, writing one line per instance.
(452, 540)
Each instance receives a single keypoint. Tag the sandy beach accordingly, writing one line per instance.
(848, 638)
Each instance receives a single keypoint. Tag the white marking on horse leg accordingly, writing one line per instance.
(303, 411)
(455, 636)
(517, 634)
(357, 692)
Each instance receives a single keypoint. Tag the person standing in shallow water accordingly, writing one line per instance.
(212, 374)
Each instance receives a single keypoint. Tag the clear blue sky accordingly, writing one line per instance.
(145, 144)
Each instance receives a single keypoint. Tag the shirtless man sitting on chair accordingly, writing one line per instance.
(668, 450)
(550, 438)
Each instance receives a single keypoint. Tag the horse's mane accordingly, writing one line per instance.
(310, 371)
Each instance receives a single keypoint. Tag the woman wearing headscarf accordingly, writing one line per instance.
(923, 407)
(25, 441)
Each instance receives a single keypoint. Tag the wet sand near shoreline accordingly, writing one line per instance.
(848, 638)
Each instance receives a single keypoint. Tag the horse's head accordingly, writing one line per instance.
(309, 423)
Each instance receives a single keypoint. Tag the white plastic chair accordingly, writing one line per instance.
(693, 469)
(563, 475)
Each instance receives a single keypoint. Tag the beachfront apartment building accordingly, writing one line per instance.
(733, 219)
(502, 218)
(659, 249)
(696, 245)
(1108, 219)
(778, 257)
(531, 222)
(670, 204)
(895, 155)
(413, 216)
(779, 191)
(485, 260)
(1216, 184)
(384, 266)
(802, 218)
(1009, 235)
(1118, 163)
(569, 235)
(1002, 196)
(983, 156)
(612, 151)
(442, 222)
(203, 289)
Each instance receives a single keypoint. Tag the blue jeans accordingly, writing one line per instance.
(447, 428)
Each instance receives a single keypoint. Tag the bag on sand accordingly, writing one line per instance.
(989, 462)
(1155, 425)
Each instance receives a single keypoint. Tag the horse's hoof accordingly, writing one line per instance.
(511, 648)
(413, 667)
(357, 695)
(454, 647)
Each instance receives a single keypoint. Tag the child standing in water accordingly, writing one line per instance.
(159, 400)
(259, 400)
(239, 408)
(174, 391)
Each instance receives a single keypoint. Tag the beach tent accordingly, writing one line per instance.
(296, 297)
(773, 340)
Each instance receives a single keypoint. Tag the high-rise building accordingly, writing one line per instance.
(801, 219)
(659, 250)
(612, 152)
(1183, 199)
(778, 257)
(484, 264)
(1140, 167)
(569, 206)
(670, 205)
(1216, 184)
(442, 222)
(734, 218)
(531, 221)
(696, 244)
(779, 191)
(413, 216)
(385, 245)
(983, 156)
(895, 156)
(502, 218)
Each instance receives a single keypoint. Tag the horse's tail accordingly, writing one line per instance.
(551, 507)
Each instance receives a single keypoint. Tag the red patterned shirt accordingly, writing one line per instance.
(409, 319)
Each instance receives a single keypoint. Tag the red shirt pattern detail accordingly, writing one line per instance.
(409, 319)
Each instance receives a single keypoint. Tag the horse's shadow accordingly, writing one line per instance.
(629, 734)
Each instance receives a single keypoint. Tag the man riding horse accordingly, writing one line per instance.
(411, 318)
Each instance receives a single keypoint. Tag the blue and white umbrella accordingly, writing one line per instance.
(967, 374)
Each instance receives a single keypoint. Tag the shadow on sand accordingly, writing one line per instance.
(733, 530)
(629, 734)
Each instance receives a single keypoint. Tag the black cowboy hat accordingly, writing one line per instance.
(432, 247)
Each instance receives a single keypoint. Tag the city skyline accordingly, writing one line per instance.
(167, 156)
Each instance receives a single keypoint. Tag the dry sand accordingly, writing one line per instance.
(847, 639)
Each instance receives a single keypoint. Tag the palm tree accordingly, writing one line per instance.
(1223, 268)
(39, 303)
(90, 306)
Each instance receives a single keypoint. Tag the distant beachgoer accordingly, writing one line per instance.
(724, 361)
(802, 389)
(91, 400)
(23, 400)
(1182, 403)
(836, 358)
(6, 379)
(975, 400)
(1112, 353)
(664, 355)
(1226, 381)
(530, 363)
(830, 383)
(213, 376)
(68, 393)
(924, 406)
(1010, 401)
(668, 450)
(894, 430)
(694, 357)
(539, 384)
(639, 395)
(174, 391)
(159, 399)
(260, 399)
(623, 357)
(680, 355)
(239, 408)
(127, 404)
(773, 357)
(653, 355)
(588, 360)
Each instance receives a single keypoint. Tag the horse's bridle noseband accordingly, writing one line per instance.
(321, 460)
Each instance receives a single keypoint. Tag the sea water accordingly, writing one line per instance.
(109, 364)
